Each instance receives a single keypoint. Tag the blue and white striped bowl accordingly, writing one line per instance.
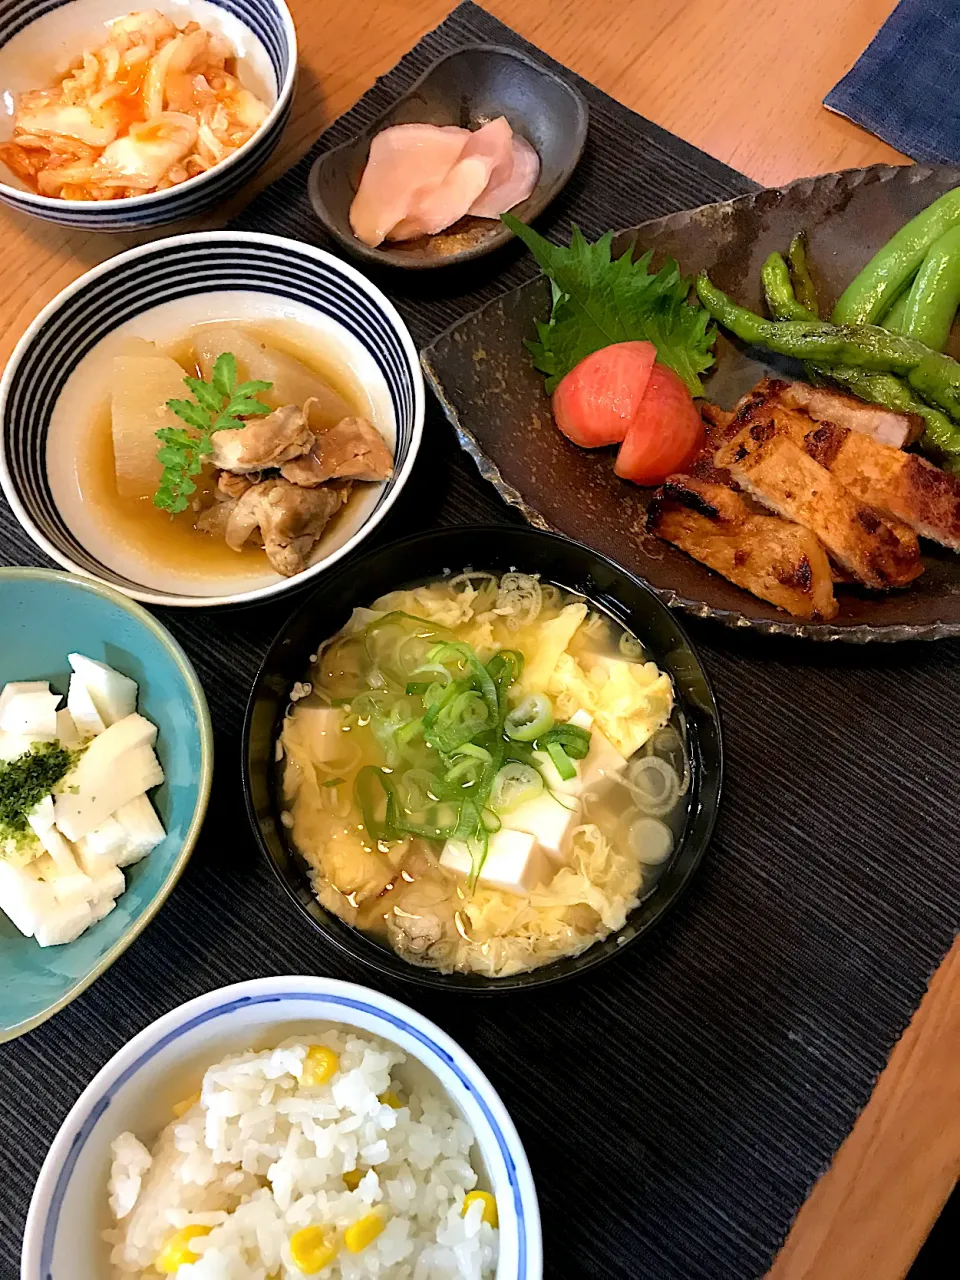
(38, 38)
(139, 1085)
(287, 273)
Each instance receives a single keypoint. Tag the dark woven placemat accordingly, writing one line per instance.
(678, 1106)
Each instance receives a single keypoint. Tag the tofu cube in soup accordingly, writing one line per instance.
(549, 819)
(514, 861)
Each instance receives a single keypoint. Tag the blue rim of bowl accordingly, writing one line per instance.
(205, 780)
(392, 1012)
(29, 201)
(354, 276)
(548, 975)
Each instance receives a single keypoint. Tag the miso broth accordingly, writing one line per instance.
(484, 773)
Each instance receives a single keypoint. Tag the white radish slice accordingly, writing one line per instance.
(64, 922)
(142, 828)
(33, 713)
(24, 899)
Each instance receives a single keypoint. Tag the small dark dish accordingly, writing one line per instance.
(847, 216)
(431, 555)
(468, 88)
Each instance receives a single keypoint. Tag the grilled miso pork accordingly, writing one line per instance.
(771, 558)
(786, 479)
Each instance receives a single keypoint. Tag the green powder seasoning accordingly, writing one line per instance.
(23, 784)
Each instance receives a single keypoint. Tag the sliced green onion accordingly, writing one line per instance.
(504, 669)
(574, 740)
(562, 762)
(513, 786)
(532, 718)
(333, 782)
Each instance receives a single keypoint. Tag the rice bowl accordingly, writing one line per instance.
(274, 1167)
(449, 1116)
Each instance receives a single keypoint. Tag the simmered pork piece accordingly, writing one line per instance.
(771, 558)
(784, 478)
(290, 520)
(234, 486)
(824, 405)
(903, 485)
(352, 450)
(263, 442)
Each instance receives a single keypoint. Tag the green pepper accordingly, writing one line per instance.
(803, 286)
(893, 319)
(937, 378)
(778, 290)
(864, 346)
(933, 299)
(863, 300)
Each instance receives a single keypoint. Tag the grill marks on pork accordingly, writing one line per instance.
(902, 485)
(769, 459)
(847, 504)
(771, 558)
(784, 478)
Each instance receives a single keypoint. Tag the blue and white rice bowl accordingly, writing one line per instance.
(39, 38)
(136, 1089)
(156, 292)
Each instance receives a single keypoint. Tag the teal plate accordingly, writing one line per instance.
(46, 615)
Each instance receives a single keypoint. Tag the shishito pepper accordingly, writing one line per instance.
(886, 274)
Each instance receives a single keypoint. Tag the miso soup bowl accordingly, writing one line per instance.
(161, 289)
(445, 553)
(38, 40)
(139, 1085)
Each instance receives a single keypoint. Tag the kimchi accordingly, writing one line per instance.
(154, 106)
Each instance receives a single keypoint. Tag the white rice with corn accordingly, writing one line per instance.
(307, 1159)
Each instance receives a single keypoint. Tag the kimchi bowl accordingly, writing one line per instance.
(121, 116)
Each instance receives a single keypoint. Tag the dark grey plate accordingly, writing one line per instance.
(495, 400)
(469, 87)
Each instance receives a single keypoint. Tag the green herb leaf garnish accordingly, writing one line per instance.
(599, 300)
(218, 405)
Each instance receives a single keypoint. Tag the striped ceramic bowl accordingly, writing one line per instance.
(156, 292)
(38, 38)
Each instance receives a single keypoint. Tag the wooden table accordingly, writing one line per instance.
(744, 80)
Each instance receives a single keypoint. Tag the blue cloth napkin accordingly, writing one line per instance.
(906, 86)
